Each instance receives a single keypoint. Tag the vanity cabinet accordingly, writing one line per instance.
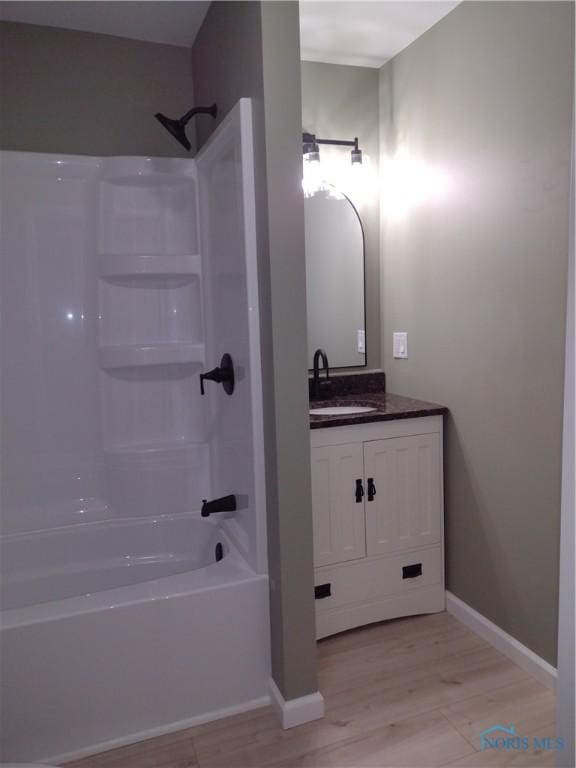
(378, 521)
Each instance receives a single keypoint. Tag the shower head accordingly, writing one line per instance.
(178, 127)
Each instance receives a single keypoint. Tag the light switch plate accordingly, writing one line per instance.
(361, 341)
(400, 345)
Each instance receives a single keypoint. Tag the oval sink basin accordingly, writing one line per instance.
(340, 410)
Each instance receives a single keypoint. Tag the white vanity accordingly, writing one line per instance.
(377, 459)
(377, 500)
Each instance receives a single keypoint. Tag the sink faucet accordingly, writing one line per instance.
(316, 383)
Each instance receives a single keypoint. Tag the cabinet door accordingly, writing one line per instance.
(406, 509)
(339, 532)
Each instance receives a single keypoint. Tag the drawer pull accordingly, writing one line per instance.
(371, 489)
(359, 491)
(322, 591)
(412, 571)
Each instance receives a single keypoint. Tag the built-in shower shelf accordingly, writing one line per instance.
(128, 355)
(147, 171)
(150, 266)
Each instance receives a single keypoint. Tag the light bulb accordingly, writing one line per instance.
(313, 180)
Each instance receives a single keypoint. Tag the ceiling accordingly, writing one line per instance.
(363, 34)
(174, 23)
(335, 31)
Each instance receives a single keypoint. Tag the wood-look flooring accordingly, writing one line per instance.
(409, 693)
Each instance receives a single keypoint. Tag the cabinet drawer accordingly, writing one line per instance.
(373, 578)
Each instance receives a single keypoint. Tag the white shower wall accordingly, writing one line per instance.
(114, 299)
(228, 238)
(52, 458)
(115, 295)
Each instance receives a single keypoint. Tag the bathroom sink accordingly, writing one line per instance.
(340, 410)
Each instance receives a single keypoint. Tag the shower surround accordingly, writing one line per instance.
(123, 278)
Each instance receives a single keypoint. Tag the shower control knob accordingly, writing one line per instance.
(223, 374)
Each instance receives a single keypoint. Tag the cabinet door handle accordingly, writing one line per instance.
(359, 491)
(371, 489)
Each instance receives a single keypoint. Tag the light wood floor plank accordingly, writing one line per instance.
(478, 669)
(174, 750)
(398, 643)
(395, 657)
(416, 693)
(409, 693)
(527, 705)
(493, 758)
(426, 740)
(256, 748)
(375, 634)
(353, 713)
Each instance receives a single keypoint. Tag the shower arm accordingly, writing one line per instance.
(198, 111)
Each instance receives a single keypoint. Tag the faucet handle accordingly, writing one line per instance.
(222, 374)
(214, 375)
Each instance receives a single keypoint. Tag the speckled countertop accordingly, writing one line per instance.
(388, 405)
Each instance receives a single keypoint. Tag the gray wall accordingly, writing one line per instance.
(228, 53)
(252, 49)
(479, 283)
(566, 689)
(342, 102)
(83, 93)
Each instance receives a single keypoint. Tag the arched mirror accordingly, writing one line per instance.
(335, 280)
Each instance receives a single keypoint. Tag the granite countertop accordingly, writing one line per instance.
(388, 405)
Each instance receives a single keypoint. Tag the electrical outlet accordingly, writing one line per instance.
(400, 345)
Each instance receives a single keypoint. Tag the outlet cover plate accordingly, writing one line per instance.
(400, 345)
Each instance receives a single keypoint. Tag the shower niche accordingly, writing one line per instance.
(151, 335)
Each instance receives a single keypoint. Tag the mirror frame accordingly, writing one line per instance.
(365, 363)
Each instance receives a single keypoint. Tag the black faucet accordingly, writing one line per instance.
(316, 383)
(224, 504)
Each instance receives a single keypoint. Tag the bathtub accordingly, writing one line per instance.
(118, 630)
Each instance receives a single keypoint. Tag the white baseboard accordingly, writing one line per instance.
(502, 641)
(296, 711)
(162, 730)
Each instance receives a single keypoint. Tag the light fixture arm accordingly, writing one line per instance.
(311, 138)
(310, 143)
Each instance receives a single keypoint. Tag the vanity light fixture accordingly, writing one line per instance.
(332, 178)
(311, 150)
(356, 156)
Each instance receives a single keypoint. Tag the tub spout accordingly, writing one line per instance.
(224, 504)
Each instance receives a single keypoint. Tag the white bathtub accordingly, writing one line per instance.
(118, 630)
